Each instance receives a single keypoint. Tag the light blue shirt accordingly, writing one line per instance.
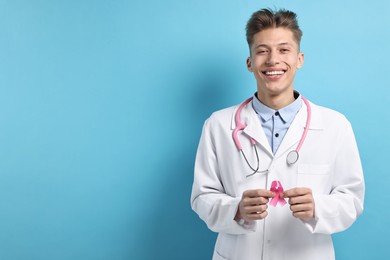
(275, 123)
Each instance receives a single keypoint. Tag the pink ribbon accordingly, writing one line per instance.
(276, 187)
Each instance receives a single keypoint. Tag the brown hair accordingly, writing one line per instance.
(267, 18)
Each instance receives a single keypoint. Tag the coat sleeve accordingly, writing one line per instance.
(338, 210)
(209, 199)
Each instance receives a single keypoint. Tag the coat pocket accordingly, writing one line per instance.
(314, 169)
(217, 256)
(317, 177)
(225, 247)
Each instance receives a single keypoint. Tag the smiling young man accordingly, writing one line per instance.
(239, 171)
(274, 59)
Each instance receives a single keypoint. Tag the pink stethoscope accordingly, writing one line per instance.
(292, 156)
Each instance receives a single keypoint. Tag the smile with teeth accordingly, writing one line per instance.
(273, 73)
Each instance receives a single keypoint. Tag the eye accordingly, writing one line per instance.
(284, 50)
(260, 52)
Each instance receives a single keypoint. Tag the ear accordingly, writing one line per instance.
(301, 59)
(249, 64)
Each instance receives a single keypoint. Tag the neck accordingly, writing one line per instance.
(276, 102)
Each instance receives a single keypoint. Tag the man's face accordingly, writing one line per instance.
(274, 60)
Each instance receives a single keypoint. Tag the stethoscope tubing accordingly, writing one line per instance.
(307, 126)
(292, 156)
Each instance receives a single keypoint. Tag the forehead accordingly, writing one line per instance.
(274, 37)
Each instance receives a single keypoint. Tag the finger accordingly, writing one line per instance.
(258, 193)
(255, 209)
(295, 192)
(301, 207)
(257, 216)
(255, 201)
(304, 215)
(300, 199)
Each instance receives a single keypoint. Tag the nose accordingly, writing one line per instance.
(273, 59)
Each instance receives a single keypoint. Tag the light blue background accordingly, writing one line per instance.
(102, 105)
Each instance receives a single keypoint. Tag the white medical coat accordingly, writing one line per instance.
(329, 164)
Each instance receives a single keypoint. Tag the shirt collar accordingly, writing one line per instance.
(286, 113)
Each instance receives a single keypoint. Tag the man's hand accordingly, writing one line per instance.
(301, 202)
(253, 205)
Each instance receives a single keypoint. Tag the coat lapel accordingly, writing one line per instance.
(253, 128)
(294, 133)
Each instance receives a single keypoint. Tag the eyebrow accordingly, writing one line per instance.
(279, 44)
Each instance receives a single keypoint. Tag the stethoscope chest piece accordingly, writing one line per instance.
(292, 157)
